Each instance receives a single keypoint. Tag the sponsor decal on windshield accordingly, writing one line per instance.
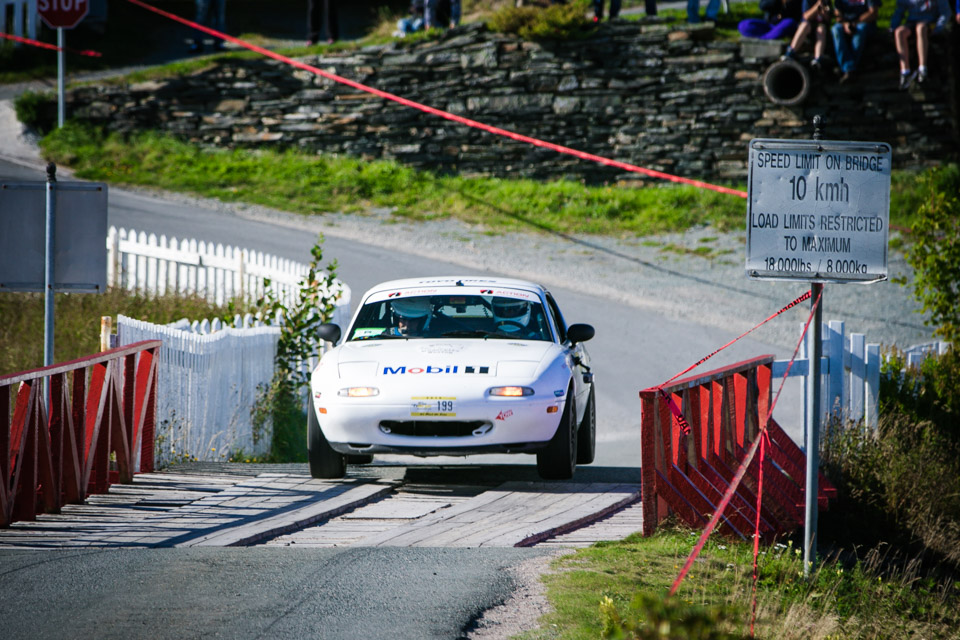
(368, 331)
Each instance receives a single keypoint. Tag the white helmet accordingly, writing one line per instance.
(511, 311)
(412, 307)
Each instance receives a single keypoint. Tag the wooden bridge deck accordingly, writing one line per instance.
(277, 507)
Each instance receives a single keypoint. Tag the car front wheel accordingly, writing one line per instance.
(324, 461)
(559, 459)
(587, 434)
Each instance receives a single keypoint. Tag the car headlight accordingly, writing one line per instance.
(358, 392)
(511, 392)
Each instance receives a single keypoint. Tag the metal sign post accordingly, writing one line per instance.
(61, 71)
(815, 348)
(60, 15)
(817, 211)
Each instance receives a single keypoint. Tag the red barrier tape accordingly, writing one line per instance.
(744, 464)
(681, 422)
(52, 47)
(443, 114)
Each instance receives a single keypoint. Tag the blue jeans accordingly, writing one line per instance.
(213, 14)
(850, 48)
(693, 10)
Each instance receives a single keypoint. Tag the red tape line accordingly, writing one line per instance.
(444, 114)
(746, 462)
(52, 47)
(680, 421)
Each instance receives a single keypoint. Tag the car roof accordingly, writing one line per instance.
(452, 281)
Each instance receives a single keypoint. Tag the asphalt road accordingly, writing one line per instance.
(370, 593)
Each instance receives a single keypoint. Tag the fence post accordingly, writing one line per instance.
(872, 408)
(834, 399)
(858, 374)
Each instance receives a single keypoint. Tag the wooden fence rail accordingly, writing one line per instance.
(58, 452)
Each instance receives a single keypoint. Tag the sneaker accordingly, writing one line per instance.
(921, 76)
(816, 65)
(906, 79)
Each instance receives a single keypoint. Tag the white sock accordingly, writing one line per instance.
(922, 68)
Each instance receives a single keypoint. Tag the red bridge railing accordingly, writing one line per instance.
(99, 406)
(688, 472)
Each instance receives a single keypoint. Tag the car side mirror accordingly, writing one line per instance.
(329, 332)
(580, 333)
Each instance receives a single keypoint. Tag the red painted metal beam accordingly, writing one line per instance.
(47, 460)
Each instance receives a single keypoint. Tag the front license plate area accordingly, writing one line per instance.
(433, 406)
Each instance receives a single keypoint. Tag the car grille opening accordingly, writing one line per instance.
(435, 429)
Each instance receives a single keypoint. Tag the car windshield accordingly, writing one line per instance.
(452, 316)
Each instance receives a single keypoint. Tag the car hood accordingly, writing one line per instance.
(392, 358)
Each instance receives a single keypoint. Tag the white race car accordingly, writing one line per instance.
(454, 366)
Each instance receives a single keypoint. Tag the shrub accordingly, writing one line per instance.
(935, 250)
(279, 404)
(556, 22)
(900, 484)
(36, 110)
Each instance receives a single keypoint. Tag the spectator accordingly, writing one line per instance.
(780, 20)
(413, 23)
(693, 11)
(957, 17)
(856, 20)
(816, 14)
(322, 12)
(213, 14)
(922, 13)
(433, 13)
(598, 9)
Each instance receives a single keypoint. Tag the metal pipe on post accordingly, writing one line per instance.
(49, 260)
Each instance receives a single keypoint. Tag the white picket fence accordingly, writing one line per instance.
(158, 265)
(849, 373)
(207, 385)
(19, 18)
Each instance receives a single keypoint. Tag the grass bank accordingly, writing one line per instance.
(311, 184)
(617, 589)
(314, 184)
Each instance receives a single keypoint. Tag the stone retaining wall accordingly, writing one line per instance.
(668, 98)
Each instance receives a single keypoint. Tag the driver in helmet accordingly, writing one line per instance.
(511, 315)
(410, 316)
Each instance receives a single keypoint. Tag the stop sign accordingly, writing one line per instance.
(62, 14)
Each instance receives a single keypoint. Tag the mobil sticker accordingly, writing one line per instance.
(404, 370)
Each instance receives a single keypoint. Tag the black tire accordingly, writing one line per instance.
(559, 460)
(324, 461)
(359, 458)
(587, 433)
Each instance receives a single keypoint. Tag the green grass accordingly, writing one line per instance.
(311, 184)
(627, 581)
(77, 322)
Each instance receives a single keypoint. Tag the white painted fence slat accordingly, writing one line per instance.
(207, 386)
(219, 272)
